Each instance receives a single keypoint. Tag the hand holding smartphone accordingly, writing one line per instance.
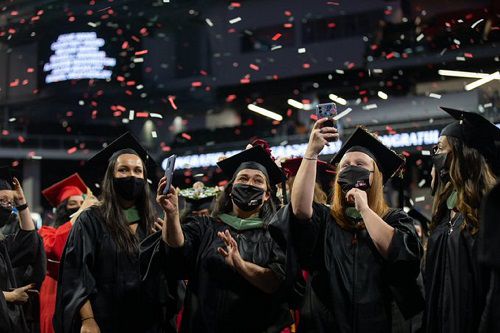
(327, 110)
(169, 173)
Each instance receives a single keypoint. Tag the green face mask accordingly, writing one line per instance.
(132, 215)
(241, 224)
(451, 202)
(353, 213)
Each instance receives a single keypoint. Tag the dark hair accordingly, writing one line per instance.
(61, 214)
(114, 218)
(224, 204)
(471, 177)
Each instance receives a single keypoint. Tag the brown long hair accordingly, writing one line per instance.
(471, 176)
(376, 200)
(224, 204)
(114, 218)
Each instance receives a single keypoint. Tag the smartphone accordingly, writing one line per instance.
(169, 172)
(327, 110)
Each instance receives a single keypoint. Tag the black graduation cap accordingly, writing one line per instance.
(6, 178)
(387, 160)
(474, 131)
(253, 158)
(196, 204)
(97, 165)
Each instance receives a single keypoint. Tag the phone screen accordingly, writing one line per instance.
(169, 172)
(327, 110)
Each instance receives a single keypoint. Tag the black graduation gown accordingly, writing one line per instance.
(351, 285)
(218, 299)
(453, 286)
(24, 248)
(94, 268)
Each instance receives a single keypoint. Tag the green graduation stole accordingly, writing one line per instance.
(132, 215)
(353, 213)
(242, 224)
(451, 202)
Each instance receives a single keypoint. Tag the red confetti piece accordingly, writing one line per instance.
(254, 67)
(235, 4)
(14, 13)
(94, 114)
(289, 112)
(313, 117)
(72, 19)
(30, 70)
(72, 150)
(351, 65)
(21, 139)
(306, 65)
(120, 78)
(468, 55)
(390, 55)
(405, 153)
(5, 132)
(171, 99)
(166, 148)
(141, 52)
(142, 114)
(186, 136)
(231, 98)
(277, 36)
(130, 83)
(203, 72)
(124, 45)
(129, 92)
(196, 84)
(288, 13)
(136, 39)
(288, 25)
(245, 80)
(331, 25)
(14, 83)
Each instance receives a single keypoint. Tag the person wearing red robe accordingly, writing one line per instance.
(67, 197)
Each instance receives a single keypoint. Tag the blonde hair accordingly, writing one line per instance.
(376, 200)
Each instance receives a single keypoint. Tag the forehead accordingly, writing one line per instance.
(251, 173)
(75, 197)
(129, 159)
(442, 139)
(356, 156)
(5, 193)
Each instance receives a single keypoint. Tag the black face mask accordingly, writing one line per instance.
(5, 214)
(440, 162)
(247, 197)
(129, 188)
(354, 177)
(69, 212)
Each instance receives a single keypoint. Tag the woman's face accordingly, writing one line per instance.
(357, 158)
(253, 177)
(129, 165)
(74, 201)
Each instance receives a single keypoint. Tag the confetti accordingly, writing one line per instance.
(433, 95)
(276, 37)
(72, 150)
(476, 23)
(235, 20)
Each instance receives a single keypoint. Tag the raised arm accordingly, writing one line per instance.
(25, 220)
(303, 187)
(171, 230)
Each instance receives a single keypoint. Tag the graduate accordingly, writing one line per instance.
(465, 160)
(324, 176)
(200, 199)
(22, 249)
(360, 253)
(488, 256)
(66, 197)
(100, 288)
(234, 267)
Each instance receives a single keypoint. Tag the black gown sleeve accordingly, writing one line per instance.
(182, 261)
(76, 282)
(308, 236)
(403, 264)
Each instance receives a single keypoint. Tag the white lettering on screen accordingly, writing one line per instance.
(77, 56)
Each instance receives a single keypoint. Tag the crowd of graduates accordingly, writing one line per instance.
(295, 245)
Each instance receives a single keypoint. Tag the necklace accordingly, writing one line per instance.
(451, 224)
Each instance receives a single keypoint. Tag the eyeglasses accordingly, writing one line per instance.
(6, 203)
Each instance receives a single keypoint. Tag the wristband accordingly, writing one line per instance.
(310, 158)
(22, 207)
